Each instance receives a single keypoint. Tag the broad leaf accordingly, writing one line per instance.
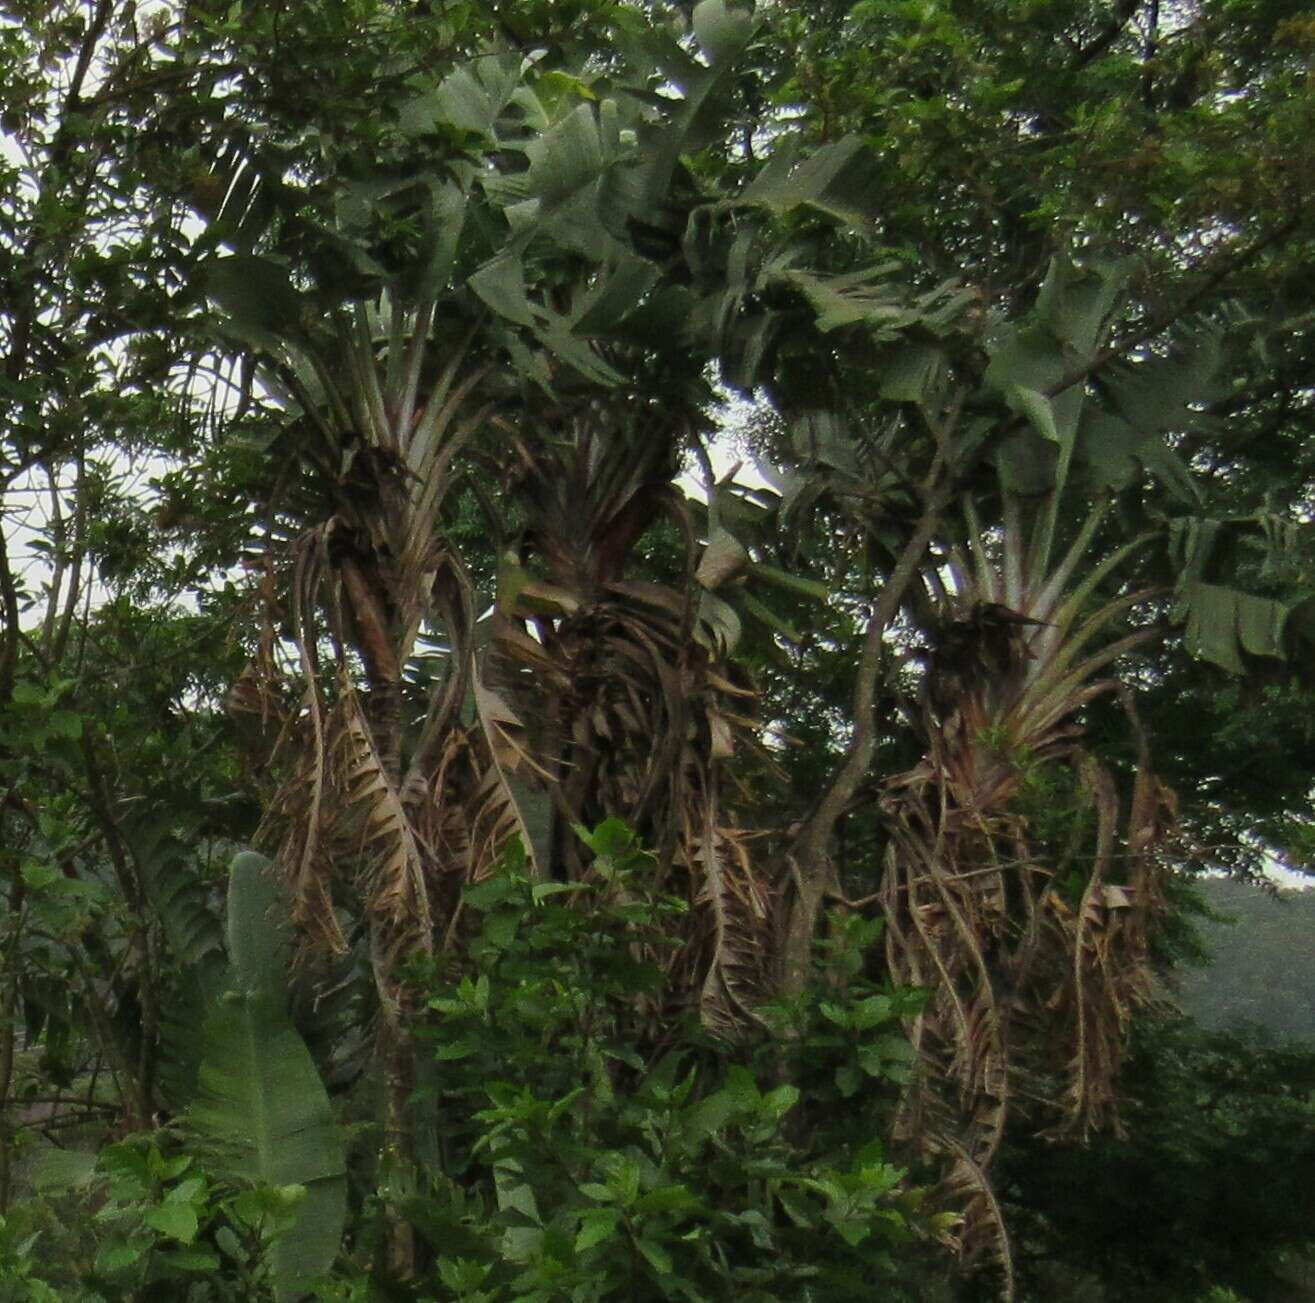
(1222, 623)
(260, 1096)
(256, 296)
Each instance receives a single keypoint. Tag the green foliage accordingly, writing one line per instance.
(492, 255)
(260, 1099)
(1208, 1188)
(146, 1219)
(1251, 780)
(18, 1263)
(592, 1143)
(1051, 800)
(255, 1200)
(596, 1145)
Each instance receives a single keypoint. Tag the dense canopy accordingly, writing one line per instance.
(622, 626)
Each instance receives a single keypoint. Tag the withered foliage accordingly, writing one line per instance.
(636, 708)
(1034, 955)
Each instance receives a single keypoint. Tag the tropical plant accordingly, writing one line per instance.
(1031, 926)
(564, 290)
(570, 1164)
(264, 1183)
(414, 319)
(259, 1097)
(387, 804)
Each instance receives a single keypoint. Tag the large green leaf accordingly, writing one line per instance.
(1222, 623)
(615, 293)
(260, 1096)
(723, 32)
(257, 298)
(831, 180)
(500, 282)
(1060, 337)
(571, 154)
(1143, 400)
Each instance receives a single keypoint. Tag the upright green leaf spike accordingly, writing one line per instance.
(260, 1095)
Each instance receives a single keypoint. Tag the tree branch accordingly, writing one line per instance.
(10, 639)
(1113, 29)
(809, 854)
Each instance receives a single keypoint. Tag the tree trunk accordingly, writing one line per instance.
(395, 1054)
(812, 870)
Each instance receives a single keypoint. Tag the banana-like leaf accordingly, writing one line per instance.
(501, 284)
(912, 372)
(723, 32)
(260, 1096)
(1222, 623)
(1141, 399)
(718, 626)
(258, 299)
(824, 179)
(614, 295)
(1066, 327)
(471, 98)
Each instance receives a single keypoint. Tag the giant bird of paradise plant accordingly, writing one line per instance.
(637, 706)
(1024, 872)
(562, 247)
(563, 242)
(1032, 943)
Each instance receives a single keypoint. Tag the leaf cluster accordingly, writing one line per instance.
(1207, 1187)
(593, 1145)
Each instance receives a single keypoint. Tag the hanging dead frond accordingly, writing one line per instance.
(292, 830)
(292, 826)
(466, 814)
(370, 814)
(643, 721)
(733, 909)
(1032, 955)
(980, 1238)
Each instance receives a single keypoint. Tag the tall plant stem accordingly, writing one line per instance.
(394, 1045)
(810, 853)
(395, 1052)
